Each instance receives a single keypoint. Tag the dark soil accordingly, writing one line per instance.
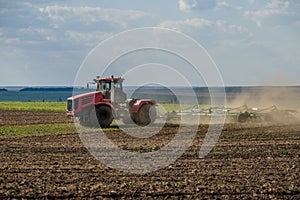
(257, 161)
(21, 117)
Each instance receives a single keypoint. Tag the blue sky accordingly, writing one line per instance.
(252, 42)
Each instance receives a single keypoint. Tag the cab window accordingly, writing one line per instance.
(106, 86)
(117, 85)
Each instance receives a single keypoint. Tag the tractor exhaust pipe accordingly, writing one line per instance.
(112, 90)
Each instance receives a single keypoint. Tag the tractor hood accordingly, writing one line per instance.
(84, 95)
(78, 102)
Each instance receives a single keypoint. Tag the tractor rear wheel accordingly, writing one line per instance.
(146, 115)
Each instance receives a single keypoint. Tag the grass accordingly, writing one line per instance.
(61, 106)
(36, 130)
(34, 106)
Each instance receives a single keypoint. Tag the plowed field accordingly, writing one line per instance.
(249, 161)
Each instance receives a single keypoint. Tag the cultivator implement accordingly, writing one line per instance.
(241, 114)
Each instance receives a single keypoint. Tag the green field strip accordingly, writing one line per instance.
(34, 106)
(36, 130)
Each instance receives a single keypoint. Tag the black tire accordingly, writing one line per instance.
(104, 116)
(94, 117)
(243, 117)
(146, 115)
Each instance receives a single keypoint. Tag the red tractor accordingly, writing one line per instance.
(109, 102)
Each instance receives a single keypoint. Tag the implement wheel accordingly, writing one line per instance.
(243, 117)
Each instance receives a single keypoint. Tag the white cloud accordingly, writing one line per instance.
(186, 5)
(224, 4)
(44, 33)
(198, 26)
(259, 15)
(11, 40)
(87, 25)
(186, 25)
(278, 4)
(59, 27)
(225, 27)
(90, 15)
(275, 12)
(264, 13)
(55, 12)
(87, 38)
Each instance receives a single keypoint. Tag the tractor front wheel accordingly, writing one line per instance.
(97, 116)
(104, 116)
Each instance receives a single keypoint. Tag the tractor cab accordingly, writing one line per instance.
(112, 88)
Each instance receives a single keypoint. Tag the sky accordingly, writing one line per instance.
(252, 42)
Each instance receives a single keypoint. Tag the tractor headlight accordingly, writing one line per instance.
(72, 105)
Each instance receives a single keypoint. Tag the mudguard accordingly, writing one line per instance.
(138, 103)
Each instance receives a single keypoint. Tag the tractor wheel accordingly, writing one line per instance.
(146, 115)
(104, 116)
(243, 117)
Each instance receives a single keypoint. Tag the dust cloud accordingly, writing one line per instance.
(286, 100)
(263, 97)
